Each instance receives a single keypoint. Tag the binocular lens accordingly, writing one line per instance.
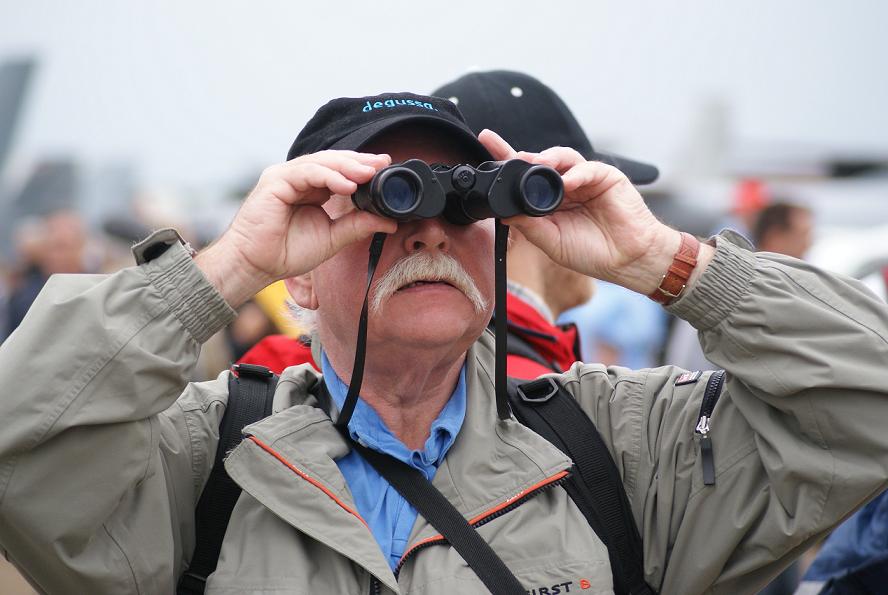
(400, 192)
(541, 192)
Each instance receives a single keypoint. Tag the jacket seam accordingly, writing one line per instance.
(630, 478)
(125, 557)
(198, 455)
(152, 421)
(196, 466)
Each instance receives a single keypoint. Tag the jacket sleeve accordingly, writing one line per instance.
(100, 465)
(798, 433)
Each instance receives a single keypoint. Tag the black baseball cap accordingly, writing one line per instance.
(529, 116)
(352, 122)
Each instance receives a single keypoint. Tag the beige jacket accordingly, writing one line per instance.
(103, 456)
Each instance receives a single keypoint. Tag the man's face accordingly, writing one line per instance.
(421, 314)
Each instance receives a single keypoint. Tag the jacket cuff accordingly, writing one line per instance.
(721, 286)
(193, 300)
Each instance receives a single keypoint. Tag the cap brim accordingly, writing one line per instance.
(638, 173)
(362, 136)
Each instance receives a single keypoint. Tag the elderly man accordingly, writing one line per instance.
(103, 457)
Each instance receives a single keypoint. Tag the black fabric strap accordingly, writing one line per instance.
(595, 486)
(447, 520)
(250, 398)
(357, 377)
(501, 243)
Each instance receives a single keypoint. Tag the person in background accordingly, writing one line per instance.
(531, 117)
(619, 327)
(784, 228)
(54, 243)
(26, 278)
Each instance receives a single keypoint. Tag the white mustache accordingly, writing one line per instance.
(423, 266)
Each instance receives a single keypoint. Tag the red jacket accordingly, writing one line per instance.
(554, 344)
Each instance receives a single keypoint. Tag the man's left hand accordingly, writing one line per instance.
(603, 228)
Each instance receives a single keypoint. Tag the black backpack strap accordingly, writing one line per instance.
(446, 519)
(250, 397)
(596, 487)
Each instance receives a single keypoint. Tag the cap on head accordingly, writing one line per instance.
(529, 116)
(352, 122)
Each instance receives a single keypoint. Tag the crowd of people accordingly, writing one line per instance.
(104, 423)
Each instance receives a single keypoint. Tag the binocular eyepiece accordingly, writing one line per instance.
(461, 194)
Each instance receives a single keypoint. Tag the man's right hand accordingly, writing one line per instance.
(282, 230)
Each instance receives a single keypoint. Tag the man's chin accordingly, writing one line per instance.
(431, 324)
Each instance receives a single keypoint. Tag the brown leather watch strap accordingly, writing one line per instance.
(676, 278)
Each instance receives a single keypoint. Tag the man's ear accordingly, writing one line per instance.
(301, 289)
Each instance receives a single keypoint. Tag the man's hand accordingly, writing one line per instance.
(282, 230)
(603, 228)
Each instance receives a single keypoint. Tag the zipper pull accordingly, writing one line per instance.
(706, 453)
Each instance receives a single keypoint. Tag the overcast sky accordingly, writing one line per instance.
(200, 93)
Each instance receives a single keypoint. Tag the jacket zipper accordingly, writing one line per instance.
(375, 585)
(483, 521)
(704, 428)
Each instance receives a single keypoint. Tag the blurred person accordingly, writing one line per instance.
(108, 425)
(65, 244)
(27, 277)
(619, 327)
(784, 228)
(750, 196)
(531, 117)
(53, 243)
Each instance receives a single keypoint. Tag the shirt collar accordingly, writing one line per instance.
(368, 429)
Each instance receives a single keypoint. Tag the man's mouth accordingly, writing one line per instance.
(421, 283)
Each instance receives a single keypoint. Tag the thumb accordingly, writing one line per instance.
(540, 231)
(356, 226)
(497, 145)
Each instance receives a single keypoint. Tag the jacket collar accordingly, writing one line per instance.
(289, 464)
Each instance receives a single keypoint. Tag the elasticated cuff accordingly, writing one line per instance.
(195, 302)
(721, 286)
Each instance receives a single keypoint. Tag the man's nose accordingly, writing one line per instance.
(427, 234)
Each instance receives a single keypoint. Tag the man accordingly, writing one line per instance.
(539, 289)
(102, 460)
(784, 228)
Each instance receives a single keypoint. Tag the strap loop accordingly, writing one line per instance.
(537, 392)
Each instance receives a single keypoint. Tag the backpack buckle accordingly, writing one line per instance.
(539, 391)
(251, 370)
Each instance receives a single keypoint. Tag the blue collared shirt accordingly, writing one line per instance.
(388, 514)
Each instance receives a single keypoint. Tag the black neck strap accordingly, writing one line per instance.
(501, 243)
(354, 385)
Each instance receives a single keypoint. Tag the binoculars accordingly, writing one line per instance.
(462, 194)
